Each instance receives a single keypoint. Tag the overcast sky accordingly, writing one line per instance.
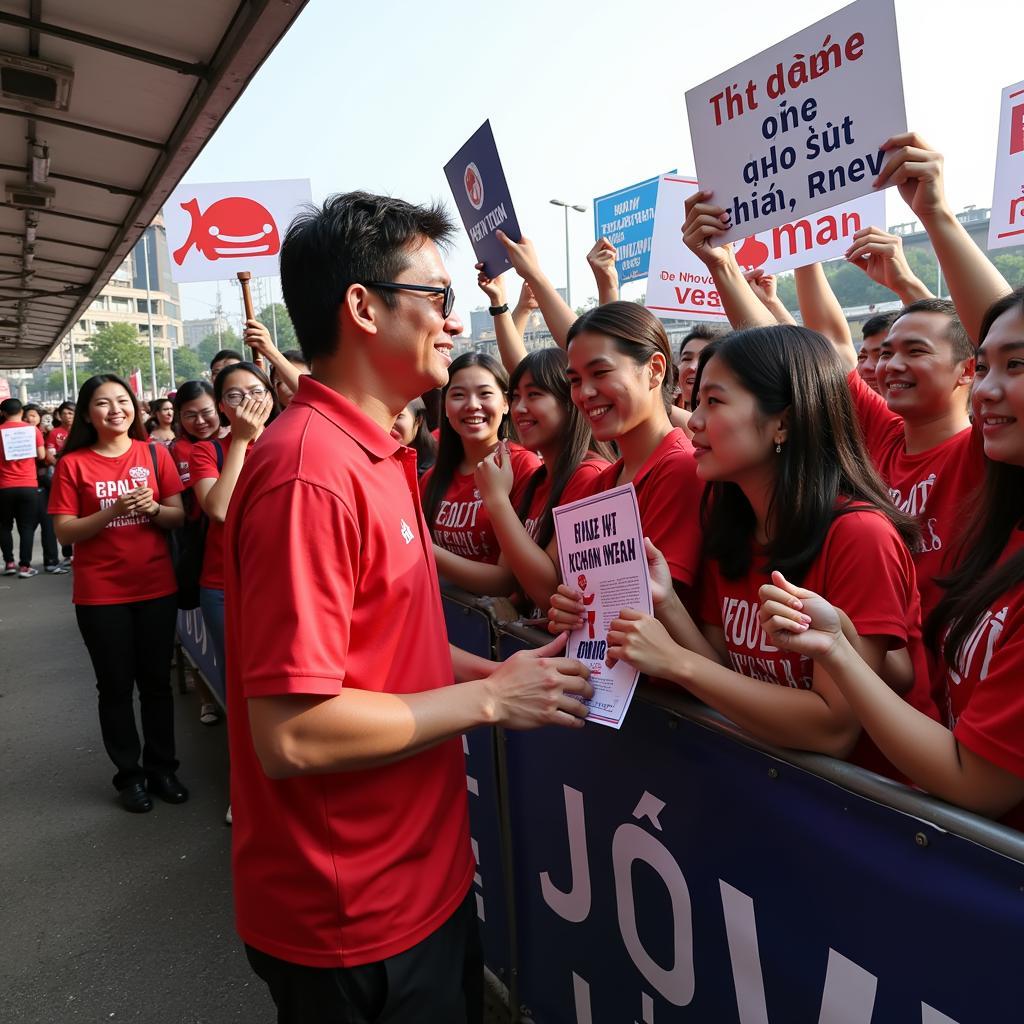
(584, 98)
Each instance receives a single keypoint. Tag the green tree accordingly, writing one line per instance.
(211, 345)
(286, 337)
(188, 366)
(117, 349)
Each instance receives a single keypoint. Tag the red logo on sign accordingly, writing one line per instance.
(1017, 129)
(231, 227)
(474, 186)
(752, 253)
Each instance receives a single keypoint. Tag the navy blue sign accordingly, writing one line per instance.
(481, 194)
(193, 637)
(667, 873)
(626, 219)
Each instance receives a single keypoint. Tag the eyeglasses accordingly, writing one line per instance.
(447, 304)
(236, 398)
(194, 415)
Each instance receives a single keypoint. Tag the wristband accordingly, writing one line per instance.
(497, 310)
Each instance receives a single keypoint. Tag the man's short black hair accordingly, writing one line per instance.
(963, 347)
(10, 406)
(226, 353)
(355, 237)
(878, 324)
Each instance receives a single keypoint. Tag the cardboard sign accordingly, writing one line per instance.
(481, 194)
(19, 443)
(626, 219)
(797, 129)
(679, 286)
(1006, 226)
(216, 230)
(601, 551)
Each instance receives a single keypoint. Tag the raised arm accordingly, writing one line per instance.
(704, 222)
(602, 262)
(523, 308)
(257, 337)
(881, 256)
(916, 170)
(508, 336)
(556, 312)
(822, 313)
(765, 287)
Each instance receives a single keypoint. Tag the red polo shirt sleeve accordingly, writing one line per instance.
(295, 653)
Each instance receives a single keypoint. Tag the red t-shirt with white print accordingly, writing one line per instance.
(19, 472)
(461, 523)
(983, 690)
(579, 485)
(880, 602)
(128, 560)
(932, 485)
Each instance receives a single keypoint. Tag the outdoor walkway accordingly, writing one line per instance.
(104, 915)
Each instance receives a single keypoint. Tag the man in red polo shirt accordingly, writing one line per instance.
(352, 860)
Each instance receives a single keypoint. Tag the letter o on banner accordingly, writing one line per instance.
(631, 843)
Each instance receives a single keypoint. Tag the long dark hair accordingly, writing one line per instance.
(637, 333)
(220, 385)
(449, 449)
(823, 470)
(189, 392)
(548, 367)
(994, 514)
(82, 433)
(422, 442)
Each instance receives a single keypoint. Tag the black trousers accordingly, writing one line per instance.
(17, 504)
(131, 645)
(49, 538)
(439, 980)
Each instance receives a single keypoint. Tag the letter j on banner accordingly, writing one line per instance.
(481, 193)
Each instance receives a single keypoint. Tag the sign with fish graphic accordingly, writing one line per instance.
(216, 230)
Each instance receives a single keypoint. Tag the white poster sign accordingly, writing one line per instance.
(601, 552)
(797, 129)
(19, 443)
(216, 230)
(1006, 226)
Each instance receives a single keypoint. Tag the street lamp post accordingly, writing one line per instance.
(579, 209)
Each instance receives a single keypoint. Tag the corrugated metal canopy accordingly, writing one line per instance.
(152, 81)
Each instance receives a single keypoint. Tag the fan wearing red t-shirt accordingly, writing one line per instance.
(20, 445)
(773, 408)
(351, 856)
(620, 374)
(976, 758)
(113, 496)
(245, 397)
(518, 511)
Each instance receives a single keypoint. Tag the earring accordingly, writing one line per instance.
(778, 447)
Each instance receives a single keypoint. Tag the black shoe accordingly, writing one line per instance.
(134, 798)
(167, 786)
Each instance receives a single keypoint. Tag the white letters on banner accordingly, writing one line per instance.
(216, 230)
(680, 286)
(797, 129)
(1006, 226)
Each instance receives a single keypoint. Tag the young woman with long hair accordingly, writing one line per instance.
(475, 403)
(789, 488)
(162, 412)
(547, 422)
(975, 758)
(245, 399)
(113, 495)
(411, 429)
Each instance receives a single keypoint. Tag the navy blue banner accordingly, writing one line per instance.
(478, 184)
(193, 638)
(668, 873)
(626, 219)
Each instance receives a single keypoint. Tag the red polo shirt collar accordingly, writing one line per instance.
(346, 415)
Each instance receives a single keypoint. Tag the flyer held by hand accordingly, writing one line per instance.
(601, 552)
(481, 193)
